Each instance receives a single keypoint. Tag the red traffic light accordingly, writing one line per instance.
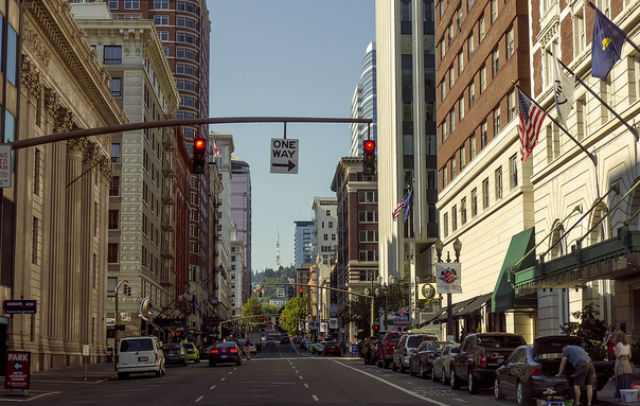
(199, 144)
(369, 145)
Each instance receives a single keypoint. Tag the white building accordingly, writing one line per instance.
(326, 225)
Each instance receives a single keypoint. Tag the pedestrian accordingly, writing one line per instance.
(584, 371)
(609, 342)
(247, 348)
(624, 373)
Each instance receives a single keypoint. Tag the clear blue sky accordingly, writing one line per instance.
(287, 58)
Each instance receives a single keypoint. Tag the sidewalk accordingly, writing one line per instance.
(96, 373)
(606, 396)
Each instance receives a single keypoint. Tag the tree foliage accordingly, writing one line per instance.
(591, 329)
(295, 311)
(252, 307)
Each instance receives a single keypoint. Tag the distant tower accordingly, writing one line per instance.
(278, 250)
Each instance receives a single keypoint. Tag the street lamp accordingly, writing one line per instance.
(115, 330)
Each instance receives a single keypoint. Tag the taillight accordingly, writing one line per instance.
(157, 357)
(404, 351)
(214, 351)
(432, 355)
(233, 350)
(483, 361)
(536, 371)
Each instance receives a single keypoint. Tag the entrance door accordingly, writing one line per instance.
(635, 309)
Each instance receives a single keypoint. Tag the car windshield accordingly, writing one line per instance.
(133, 345)
(435, 345)
(414, 341)
(189, 346)
(500, 341)
(228, 344)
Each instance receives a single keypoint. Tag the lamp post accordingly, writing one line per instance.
(457, 247)
(115, 329)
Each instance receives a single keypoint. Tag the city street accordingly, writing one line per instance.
(281, 375)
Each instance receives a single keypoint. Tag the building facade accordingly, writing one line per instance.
(305, 242)
(326, 225)
(59, 195)
(364, 103)
(241, 216)
(237, 277)
(406, 132)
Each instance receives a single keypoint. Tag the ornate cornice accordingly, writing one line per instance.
(52, 101)
(549, 31)
(31, 40)
(77, 147)
(30, 77)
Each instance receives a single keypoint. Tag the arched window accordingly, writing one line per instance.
(560, 247)
(601, 232)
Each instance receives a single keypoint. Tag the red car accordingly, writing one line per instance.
(332, 347)
(385, 350)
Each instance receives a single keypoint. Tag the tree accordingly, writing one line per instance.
(295, 311)
(591, 329)
(269, 308)
(251, 308)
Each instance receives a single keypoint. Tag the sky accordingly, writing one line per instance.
(298, 58)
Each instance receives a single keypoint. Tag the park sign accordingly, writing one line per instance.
(284, 155)
(17, 370)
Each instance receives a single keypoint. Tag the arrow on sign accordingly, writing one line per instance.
(289, 165)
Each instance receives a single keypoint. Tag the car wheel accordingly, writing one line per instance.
(159, 373)
(433, 375)
(212, 364)
(198, 360)
(123, 375)
(402, 368)
(411, 369)
(184, 363)
(496, 390)
(444, 376)
(522, 394)
(393, 366)
(454, 382)
(239, 363)
(472, 386)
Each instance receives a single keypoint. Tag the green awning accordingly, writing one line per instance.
(504, 298)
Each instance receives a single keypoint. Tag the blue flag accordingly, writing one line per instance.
(407, 204)
(606, 45)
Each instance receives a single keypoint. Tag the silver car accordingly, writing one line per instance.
(407, 345)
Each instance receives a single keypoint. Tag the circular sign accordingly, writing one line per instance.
(428, 291)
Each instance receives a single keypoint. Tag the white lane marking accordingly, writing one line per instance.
(400, 388)
(315, 398)
(306, 386)
(300, 376)
(213, 387)
(230, 372)
(222, 379)
(199, 398)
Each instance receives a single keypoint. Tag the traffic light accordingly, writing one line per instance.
(300, 292)
(259, 292)
(199, 152)
(369, 155)
(284, 318)
(376, 328)
(261, 318)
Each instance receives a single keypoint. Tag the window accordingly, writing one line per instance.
(364, 197)
(331, 224)
(111, 286)
(581, 108)
(34, 241)
(444, 176)
(510, 43)
(132, 17)
(472, 94)
(112, 54)
(115, 85)
(115, 152)
(483, 135)
(164, 35)
(443, 131)
(443, 50)
(450, 33)
(114, 218)
(452, 79)
(463, 158)
(511, 105)
(114, 187)
(460, 63)
(496, 122)
(485, 193)
(495, 61)
(463, 211)
(161, 20)
(161, 4)
(368, 236)
(481, 31)
(469, 4)
(472, 147)
(578, 32)
(445, 224)
(513, 171)
(132, 4)
(452, 120)
(443, 90)
(494, 10)
(112, 253)
(454, 172)
(12, 54)
(333, 237)
(36, 173)
(326, 237)
(441, 8)
(113, 4)
(193, 247)
(461, 108)
(459, 18)
(498, 176)
(483, 78)
(474, 202)
(470, 46)
(454, 218)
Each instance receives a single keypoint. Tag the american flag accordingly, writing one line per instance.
(216, 150)
(531, 119)
(399, 207)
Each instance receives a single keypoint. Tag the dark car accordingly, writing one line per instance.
(332, 347)
(385, 350)
(531, 370)
(421, 362)
(407, 346)
(174, 353)
(442, 364)
(479, 357)
(375, 350)
(225, 352)
(285, 340)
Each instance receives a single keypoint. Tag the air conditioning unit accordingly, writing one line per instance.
(426, 291)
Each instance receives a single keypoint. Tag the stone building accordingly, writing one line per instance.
(60, 192)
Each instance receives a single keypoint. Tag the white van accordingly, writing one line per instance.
(139, 355)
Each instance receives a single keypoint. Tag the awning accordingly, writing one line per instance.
(472, 306)
(504, 298)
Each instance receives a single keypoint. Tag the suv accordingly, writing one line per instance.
(406, 347)
(479, 357)
(388, 344)
(139, 355)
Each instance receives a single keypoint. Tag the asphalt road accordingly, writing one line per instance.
(280, 375)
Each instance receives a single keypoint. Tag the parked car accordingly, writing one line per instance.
(332, 347)
(192, 352)
(385, 350)
(305, 343)
(421, 362)
(442, 364)
(479, 357)
(407, 345)
(530, 370)
(139, 355)
(317, 348)
(227, 351)
(373, 360)
(175, 353)
(285, 340)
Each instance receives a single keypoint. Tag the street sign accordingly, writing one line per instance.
(323, 327)
(17, 370)
(85, 350)
(280, 293)
(19, 306)
(333, 324)
(401, 319)
(284, 155)
(5, 165)
(448, 277)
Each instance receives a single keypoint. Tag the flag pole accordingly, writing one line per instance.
(615, 113)
(593, 158)
(626, 37)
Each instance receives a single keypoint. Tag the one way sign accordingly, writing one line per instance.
(284, 155)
